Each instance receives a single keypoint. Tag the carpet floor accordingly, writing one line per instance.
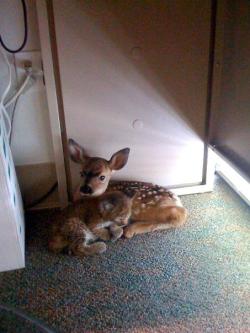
(194, 279)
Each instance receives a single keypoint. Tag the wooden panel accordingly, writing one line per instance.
(36, 180)
(126, 60)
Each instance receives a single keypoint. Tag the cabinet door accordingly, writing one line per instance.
(230, 122)
(134, 74)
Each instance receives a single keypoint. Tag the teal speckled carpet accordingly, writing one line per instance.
(194, 279)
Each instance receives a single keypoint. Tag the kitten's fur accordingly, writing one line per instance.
(89, 220)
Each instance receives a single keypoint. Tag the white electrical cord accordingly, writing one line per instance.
(30, 78)
(20, 90)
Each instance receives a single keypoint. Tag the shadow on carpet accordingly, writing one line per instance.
(194, 279)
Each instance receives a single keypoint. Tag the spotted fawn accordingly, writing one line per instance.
(154, 207)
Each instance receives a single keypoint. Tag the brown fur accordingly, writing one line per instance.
(154, 207)
(87, 221)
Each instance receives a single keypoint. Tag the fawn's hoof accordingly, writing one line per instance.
(128, 232)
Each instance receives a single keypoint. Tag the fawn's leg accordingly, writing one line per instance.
(170, 217)
(137, 228)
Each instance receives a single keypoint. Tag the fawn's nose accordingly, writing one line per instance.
(86, 189)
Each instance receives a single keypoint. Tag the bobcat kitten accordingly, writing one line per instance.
(91, 219)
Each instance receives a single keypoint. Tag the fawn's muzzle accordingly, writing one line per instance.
(86, 189)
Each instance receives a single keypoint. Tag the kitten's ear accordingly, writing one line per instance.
(106, 206)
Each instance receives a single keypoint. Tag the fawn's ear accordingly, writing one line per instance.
(77, 153)
(119, 159)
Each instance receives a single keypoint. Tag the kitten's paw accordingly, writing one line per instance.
(102, 234)
(115, 238)
(81, 250)
(116, 234)
(105, 237)
(99, 247)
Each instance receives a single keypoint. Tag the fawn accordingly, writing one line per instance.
(153, 208)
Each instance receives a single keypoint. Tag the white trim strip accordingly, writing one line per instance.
(52, 99)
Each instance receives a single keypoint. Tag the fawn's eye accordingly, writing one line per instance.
(102, 178)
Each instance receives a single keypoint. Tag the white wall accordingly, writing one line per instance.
(31, 142)
(126, 60)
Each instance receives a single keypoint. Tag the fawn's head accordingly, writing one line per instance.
(96, 172)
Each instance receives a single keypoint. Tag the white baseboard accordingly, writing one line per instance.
(209, 178)
(192, 189)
